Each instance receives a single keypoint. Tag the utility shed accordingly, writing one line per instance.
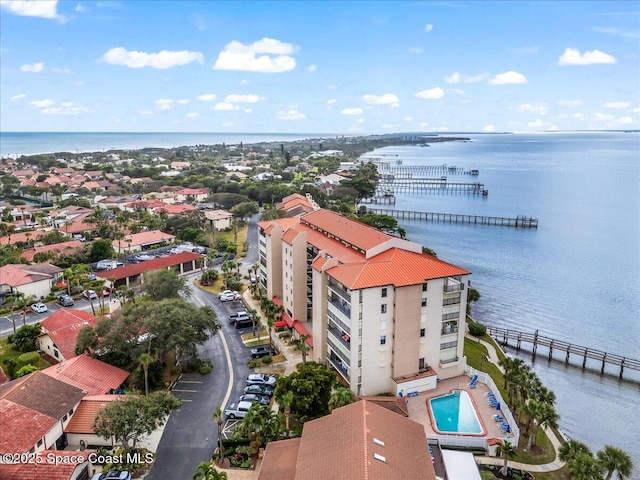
(460, 465)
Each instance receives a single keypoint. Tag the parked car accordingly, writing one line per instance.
(39, 307)
(238, 410)
(250, 397)
(238, 315)
(261, 379)
(229, 296)
(89, 294)
(262, 351)
(259, 390)
(112, 475)
(66, 301)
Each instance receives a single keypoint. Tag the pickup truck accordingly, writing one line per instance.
(241, 315)
(238, 410)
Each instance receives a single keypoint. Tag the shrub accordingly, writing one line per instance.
(267, 359)
(27, 369)
(29, 358)
(254, 363)
(477, 329)
(205, 367)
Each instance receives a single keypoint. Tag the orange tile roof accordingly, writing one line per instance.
(394, 267)
(21, 427)
(57, 247)
(91, 375)
(85, 415)
(63, 328)
(174, 209)
(279, 462)
(353, 232)
(15, 275)
(49, 465)
(285, 223)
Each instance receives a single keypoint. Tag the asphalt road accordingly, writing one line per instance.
(190, 435)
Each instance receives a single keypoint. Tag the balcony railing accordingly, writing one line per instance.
(448, 330)
(339, 322)
(453, 287)
(342, 305)
(340, 367)
(340, 290)
(342, 338)
(339, 350)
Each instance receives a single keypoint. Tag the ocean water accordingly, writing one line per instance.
(575, 278)
(30, 143)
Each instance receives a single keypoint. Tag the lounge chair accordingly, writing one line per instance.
(498, 418)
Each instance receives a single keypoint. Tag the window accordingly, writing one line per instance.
(383, 339)
(71, 412)
(424, 287)
(422, 332)
(64, 419)
(39, 442)
(384, 292)
(383, 308)
(422, 365)
(424, 302)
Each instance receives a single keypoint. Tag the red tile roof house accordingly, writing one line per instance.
(359, 441)
(31, 280)
(182, 262)
(174, 209)
(89, 374)
(60, 332)
(52, 465)
(34, 410)
(219, 219)
(192, 195)
(80, 428)
(57, 248)
(142, 241)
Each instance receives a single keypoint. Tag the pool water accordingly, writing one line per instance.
(454, 413)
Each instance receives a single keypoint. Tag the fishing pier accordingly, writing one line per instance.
(520, 221)
(416, 171)
(503, 336)
(423, 185)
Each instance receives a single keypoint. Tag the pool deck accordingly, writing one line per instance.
(419, 412)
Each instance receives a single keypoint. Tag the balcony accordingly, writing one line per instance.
(451, 286)
(341, 337)
(341, 305)
(340, 291)
(338, 349)
(339, 323)
(340, 367)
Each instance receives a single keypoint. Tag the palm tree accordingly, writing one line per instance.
(340, 397)
(614, 459)
(507, 451)
(546, 415)
(572, 449)
(217, 417)
(206, 471)
(301, 344)
(145, 360)
(585, 467)
(285, 401)
(254, 319)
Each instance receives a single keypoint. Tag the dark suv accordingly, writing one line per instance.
(66, 301)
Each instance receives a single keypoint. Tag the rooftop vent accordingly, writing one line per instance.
(379, 457)
(378, 442)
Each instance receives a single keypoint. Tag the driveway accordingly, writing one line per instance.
(191, 435)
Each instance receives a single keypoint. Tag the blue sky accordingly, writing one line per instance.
(319, 67)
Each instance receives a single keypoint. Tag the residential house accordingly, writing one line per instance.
(64, 248)
(180, 165)
(33, 280)
(174, 209)
(219, 220)
(50, 464)
(80, 430)
(384, 315)
(295, 205)
(192, 195)
(362, 440)
(93, 175)
(136, 242)
(60, 332)
(93, 376)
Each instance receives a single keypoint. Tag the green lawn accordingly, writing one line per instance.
(7, 352)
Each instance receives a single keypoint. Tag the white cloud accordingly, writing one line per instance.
(386, 99)
(207, 97)
(351, 111)
(192, 115)
(17, 98)
(408, 119)
(508, 78)
(572, 56)
(489, 128)
(636, 110)
(360, 121)
(248, 110)
(31, 8)
(64, 71)
(65, 108)
(541, 125)
(264, 56)
(32, 67)
(457, 91)
(78, 83)
(312, 68)
(415, 50)
(81, 8)
(616, 32)
(292, 114)
(331, 101)
(243, 98)
(161, 60)
(164, 104)
(540, 108)
(244, 82)
(457, 77)
(226, 106)
(182, 101)
(42, 103)
(607, 118)
(578, 116)
(616, 105)
(431, 94)
(570, 103)
(145, 113)
(428, 27)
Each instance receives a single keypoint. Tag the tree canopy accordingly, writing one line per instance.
(311, 385)
(163, 283)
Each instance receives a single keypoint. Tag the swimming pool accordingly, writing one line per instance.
(455, 413)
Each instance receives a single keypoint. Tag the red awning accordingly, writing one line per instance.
(280, 324)
(300, 328)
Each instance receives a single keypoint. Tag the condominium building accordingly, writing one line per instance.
(386, 316)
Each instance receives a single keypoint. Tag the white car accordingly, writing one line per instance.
(228, 296)
(39, 307)
(89, 294)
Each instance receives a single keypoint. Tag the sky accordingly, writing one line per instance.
(327, 67)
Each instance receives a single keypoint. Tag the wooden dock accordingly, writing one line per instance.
(503, 336)
(423, 185)
(416, 171)
(520, 221)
